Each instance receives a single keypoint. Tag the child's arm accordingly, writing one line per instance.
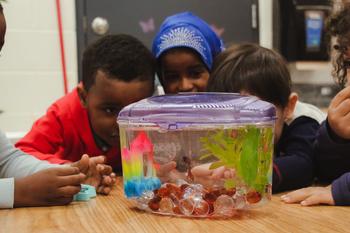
(293, 162)
(341, 190)
(331, 155)
(336, 194)
(45, 138)
(333, 143)
(15, 163)
(37, 189)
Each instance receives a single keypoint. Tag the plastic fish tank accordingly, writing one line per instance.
(197, 155)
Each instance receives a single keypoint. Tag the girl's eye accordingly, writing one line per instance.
(170, 77)
(195, 73)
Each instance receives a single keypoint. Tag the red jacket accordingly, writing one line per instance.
(64, 135)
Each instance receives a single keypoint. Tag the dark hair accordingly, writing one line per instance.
(1, 8)
(338, 25)
(254, 69)
(122, 57)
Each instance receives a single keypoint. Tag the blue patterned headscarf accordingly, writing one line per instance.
(188, 30)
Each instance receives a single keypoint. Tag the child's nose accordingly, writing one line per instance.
(185, 85)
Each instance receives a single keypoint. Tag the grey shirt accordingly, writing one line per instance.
(15, 164)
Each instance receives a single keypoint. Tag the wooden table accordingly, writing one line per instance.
(114, 213)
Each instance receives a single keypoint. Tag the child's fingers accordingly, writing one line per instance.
(233, 172)
(104, 169)
(202, 170)
(114, 179)
(228, 174)
(98, 159)
(297, 196)
(66, 171)
(64, 201)
(107, 181)
(71, 180)
(174, 175)
(99, 189)
(166, 168)
(218, 172)
(106, 190)
(323, 195)
(68, 191)
(340, 97)
(311, 200)
(82, 164)
(60, 201)
(103, 190)
(342, 109)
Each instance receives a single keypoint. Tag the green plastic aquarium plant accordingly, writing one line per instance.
(247, 150)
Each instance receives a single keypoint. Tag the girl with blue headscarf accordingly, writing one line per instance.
(185, 48)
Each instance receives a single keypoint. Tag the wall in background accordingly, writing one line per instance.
(265, 23)
(30, 65)
(301, 73)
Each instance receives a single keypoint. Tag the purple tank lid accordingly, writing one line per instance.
(198, 108)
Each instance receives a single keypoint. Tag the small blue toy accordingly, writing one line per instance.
(86, 193)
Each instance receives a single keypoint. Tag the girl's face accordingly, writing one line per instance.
(182, 70)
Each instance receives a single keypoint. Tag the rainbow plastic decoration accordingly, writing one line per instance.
(135, 182)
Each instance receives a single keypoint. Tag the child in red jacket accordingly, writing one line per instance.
(117, 70)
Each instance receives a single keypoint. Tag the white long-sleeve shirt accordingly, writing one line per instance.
(15, 164)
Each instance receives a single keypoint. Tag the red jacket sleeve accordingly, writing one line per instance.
(45, 138)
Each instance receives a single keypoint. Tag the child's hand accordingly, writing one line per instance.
(54, 186)
(207, 177)
(310, 196)
(217, 173)
(168, 173)
(97, 173)
(339, 114)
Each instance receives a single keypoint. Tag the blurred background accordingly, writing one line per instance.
(40, 60)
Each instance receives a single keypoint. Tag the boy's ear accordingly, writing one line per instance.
(82, 94)
(289, 109)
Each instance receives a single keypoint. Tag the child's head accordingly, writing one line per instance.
(185, 48)
(339, 26)
(2, 27)
(254, 70)
(117, 71)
